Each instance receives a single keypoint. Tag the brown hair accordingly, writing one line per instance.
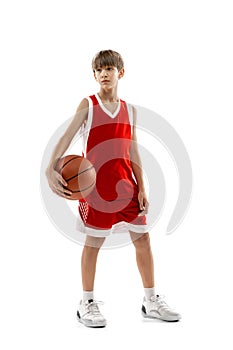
(107, 58)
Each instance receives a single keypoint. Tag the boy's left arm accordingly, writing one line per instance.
(137, 170)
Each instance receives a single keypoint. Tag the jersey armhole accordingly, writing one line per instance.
(130, 113)
(85, 129)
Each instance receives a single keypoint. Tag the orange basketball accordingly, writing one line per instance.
(79, 174)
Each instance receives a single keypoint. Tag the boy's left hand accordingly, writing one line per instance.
(143, 203)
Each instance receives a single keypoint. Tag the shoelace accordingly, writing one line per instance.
(93, 306)
(160, 303)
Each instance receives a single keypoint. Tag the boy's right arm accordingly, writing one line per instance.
(54, 178)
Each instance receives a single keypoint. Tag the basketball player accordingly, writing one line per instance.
(110, 143)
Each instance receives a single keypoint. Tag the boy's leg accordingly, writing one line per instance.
(88, 261)
(88, 312)
(144, 257)
(153, 305)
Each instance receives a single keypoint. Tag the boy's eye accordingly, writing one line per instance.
(106, 68)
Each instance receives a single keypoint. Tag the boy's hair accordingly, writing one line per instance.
(107, 58)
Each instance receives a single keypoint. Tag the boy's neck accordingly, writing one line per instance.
(108, 95)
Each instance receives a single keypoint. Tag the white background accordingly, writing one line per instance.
(178, 60)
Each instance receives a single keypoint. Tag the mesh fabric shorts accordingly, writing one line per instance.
(105, 215)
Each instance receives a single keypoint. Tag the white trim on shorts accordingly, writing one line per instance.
(120, 227)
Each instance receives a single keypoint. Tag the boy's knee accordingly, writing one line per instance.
(94, 242)
(142, 241)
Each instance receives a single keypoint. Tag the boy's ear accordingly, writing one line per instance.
(121, 73)
(94, 75)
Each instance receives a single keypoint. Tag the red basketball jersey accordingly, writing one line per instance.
(107, 145)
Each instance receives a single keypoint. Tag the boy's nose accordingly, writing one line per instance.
(104, 73)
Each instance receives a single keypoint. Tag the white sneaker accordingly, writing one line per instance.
(157, 308)
(89, 314)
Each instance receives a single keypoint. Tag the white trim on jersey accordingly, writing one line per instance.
(130, 114)
(85, 129)
(112, 115)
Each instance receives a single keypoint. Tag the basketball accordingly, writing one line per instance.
(79, 174)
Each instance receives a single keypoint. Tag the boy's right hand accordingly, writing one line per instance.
(57, 183)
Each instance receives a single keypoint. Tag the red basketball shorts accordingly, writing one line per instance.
(104, 215)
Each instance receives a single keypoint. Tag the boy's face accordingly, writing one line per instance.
(108, 76)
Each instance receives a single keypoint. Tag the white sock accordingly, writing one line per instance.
(149, 292)
(87, 295)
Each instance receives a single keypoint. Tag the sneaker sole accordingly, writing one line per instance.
(160, 317)
(91, 325)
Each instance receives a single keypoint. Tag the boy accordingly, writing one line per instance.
(109, 126)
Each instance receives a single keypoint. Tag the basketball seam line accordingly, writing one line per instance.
(69, 161)
(84, 189)
(81, 172)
